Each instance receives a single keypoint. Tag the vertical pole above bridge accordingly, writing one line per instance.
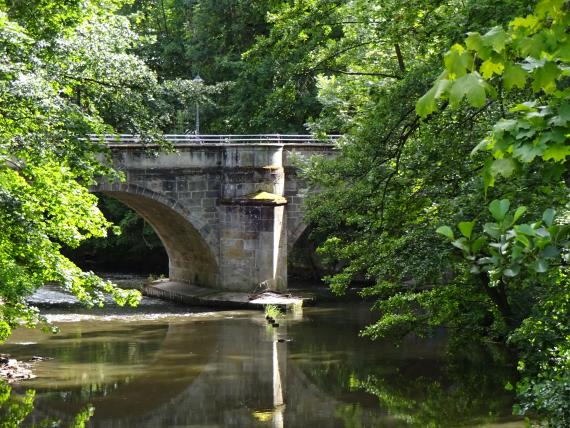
(253, 223)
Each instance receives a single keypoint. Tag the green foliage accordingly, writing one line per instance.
(183, 39)
(510, 257)
(133, 246)
(533, 54)
(545, 356)
(397, 178)
(409, 166)
(15, 409)
(273, 311)
(58, 78)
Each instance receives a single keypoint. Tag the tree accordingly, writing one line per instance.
(399, 177)
(184, 39)
(65, 72)
(530, 142)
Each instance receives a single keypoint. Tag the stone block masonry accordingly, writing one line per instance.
(226, 213)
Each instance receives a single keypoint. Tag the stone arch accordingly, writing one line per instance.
(294, 233)
(187, 239)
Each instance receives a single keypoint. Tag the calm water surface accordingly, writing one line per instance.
(162, 365)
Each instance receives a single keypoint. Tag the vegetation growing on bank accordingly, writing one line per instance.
(450, 190)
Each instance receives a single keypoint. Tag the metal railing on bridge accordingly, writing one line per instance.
(175, 139)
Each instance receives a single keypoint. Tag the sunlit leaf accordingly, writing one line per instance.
(556, 152)
(466, 228)
(457, 61)
(489, 67)
(519, 213)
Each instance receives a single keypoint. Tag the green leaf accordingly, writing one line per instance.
(474, 42)
(446, 231)
(488, 176)
(548, 216)
(477, 244)
(525, 134)
(426, 104)
(466, 228)
(551, 252)
(557, 135)
(512, 271)
(483, 144)
(529, 22)
(471, 86)
(524, 229)
(496, 37)
(527, 152)
(499, 209)
(545, 77)
(556, 152)
(492, 229)
(523, 240)
(457, 61)
(519, 213)
(505, 125)
(462, 244)
(540, 266)
(514, 77)
(504, 166)
(489, 67)
(563, 116)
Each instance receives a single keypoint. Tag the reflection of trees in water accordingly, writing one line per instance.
(15, 408)
(84, 351)
(465, 389)
(130, 345)
(419, 383)
(221, 372)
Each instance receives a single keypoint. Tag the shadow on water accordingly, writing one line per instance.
(230, 369)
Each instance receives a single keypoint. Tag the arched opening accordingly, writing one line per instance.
(303, 262)
(184, 243)
(190, 258)
(137, 250)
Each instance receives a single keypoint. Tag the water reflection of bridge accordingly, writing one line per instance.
(216, 374)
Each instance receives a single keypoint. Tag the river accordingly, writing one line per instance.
(164, 365)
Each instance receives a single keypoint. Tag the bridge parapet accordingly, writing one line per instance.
(215, 139)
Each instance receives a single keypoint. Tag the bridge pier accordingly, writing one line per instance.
(253, 247)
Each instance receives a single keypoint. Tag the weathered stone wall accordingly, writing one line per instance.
(219, 208)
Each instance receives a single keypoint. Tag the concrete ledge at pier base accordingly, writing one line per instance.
(187, 294)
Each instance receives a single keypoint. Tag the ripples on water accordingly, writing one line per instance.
(164, 365)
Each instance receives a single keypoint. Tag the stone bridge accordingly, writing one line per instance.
(227, 208)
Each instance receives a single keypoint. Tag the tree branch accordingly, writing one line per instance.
(400, 58)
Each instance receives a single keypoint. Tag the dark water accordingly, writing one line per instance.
(166, 366)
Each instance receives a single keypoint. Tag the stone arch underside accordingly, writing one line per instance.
(185, 239)
(294, 232)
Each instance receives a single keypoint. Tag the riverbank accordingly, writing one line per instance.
(12, 370)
